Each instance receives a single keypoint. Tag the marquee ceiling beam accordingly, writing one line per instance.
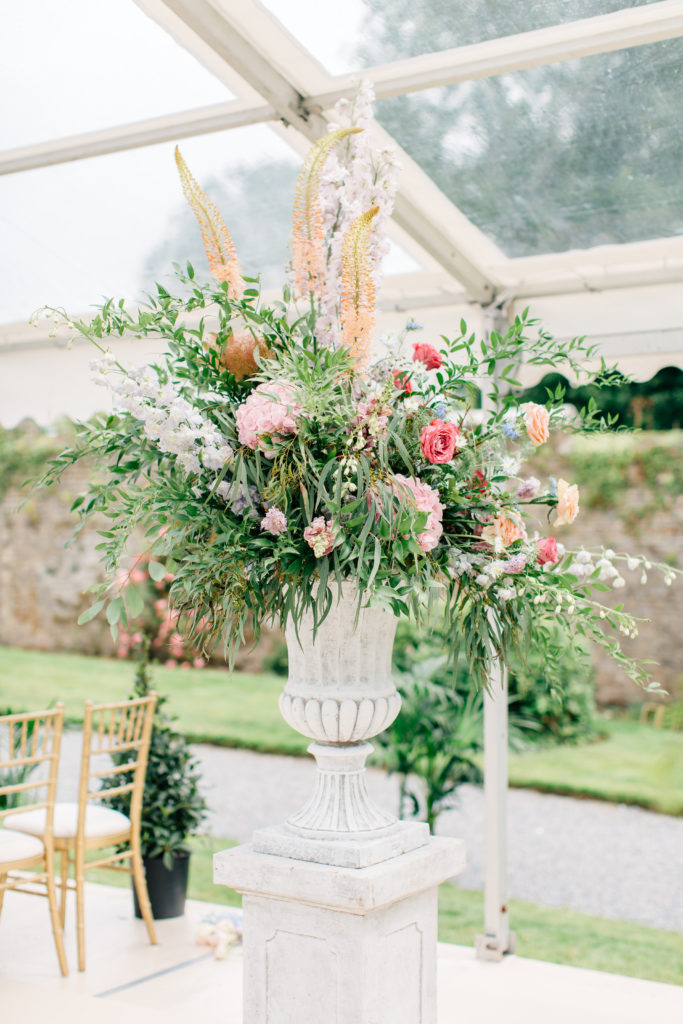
(245, 36)
(635, 26)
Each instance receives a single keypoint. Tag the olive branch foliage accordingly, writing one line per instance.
(229, 572)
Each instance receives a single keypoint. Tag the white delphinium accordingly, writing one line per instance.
(357, 176)
(168, 419)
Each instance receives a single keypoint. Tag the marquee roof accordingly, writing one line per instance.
(89, 165)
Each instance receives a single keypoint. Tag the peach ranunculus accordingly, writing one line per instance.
(503, 531)
(269, 414)
(536, 420)
(427, 500)
(567, 503)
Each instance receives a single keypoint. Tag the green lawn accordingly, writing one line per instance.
(543, 933)
(633, 764)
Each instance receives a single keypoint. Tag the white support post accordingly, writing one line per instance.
(497, 938)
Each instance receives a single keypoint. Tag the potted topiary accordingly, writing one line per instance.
(172, 807)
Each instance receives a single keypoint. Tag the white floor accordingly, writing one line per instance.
(129, 981)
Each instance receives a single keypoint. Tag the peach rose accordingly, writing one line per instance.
(567, 503)
(503, 531)
(536, 420)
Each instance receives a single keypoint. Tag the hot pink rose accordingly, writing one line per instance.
(439, 441)
(536, 420)
(269, 414)
(547, 551)
(427, 500)
(427, 354)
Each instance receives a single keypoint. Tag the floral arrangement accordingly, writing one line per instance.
(278, 448)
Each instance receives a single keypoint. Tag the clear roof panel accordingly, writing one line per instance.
(566, 156)
(73, 66)
(360, 33)
(109, 226)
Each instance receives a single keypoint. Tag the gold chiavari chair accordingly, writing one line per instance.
(33, 741)
(121, 728)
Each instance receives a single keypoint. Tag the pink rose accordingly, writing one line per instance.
(427, 500)
(320, 535)
(547, 551)
(427, 354)
(269, 414)
(439, 441)
(536, 420)
(567, 503)
(403, 382)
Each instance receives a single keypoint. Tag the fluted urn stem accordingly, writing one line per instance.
(340, 693)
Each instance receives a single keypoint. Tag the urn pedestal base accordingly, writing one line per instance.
(355, 850)
(340, 945)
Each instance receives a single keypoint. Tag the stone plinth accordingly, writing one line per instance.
(340, 945)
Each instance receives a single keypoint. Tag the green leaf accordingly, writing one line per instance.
(157, 571)
(114, 611)
(91, 612)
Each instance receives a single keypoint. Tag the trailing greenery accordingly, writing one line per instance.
(543, 708)
(172, 805)
(656, 404)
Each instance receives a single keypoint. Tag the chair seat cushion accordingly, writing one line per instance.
(16, 846)
(99, 821)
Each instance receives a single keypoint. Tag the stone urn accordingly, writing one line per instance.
(340, 693)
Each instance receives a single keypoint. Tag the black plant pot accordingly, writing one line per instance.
(167, 889)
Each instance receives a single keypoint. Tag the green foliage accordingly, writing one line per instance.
(542, 708)
(436, 739)
(656, 404)
(24, 455)
(14, 776)
(172, 804)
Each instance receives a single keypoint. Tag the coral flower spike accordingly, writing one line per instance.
(220, 251)
(358, 289)
(308, 232)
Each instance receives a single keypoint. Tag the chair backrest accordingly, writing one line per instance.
(33, 739)
(123, 728)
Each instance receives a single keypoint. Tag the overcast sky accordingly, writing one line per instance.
(74, 232)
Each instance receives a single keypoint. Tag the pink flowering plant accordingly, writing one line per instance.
(279, 447)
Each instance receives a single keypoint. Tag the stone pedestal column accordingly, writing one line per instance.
(331, 945)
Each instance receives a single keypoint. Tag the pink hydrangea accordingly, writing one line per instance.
(427, 500)
(320, 535)
(274, 521)
(268, 415)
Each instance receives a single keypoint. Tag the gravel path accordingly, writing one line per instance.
(610, 860)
